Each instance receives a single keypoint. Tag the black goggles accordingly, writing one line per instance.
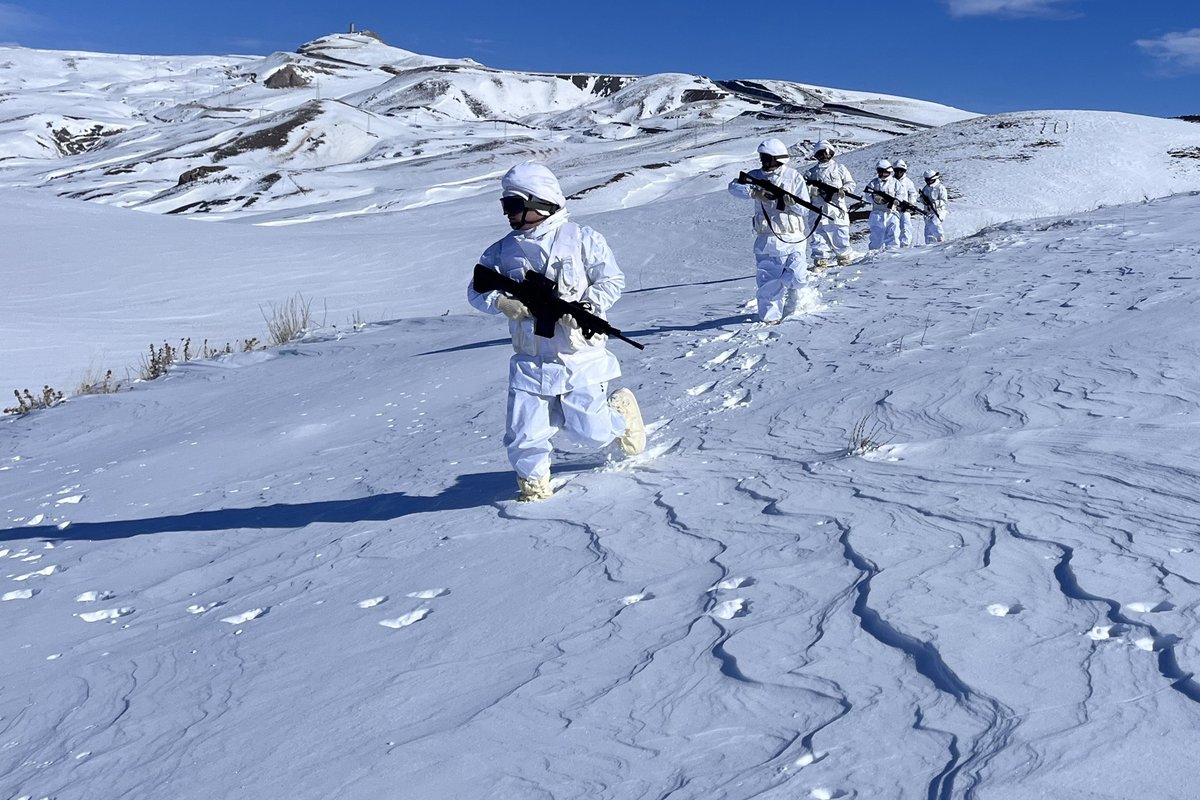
(770, 160)
(515, 204)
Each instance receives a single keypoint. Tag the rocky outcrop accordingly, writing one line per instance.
(287, 78)
(198, 173)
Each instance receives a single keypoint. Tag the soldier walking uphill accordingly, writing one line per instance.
(884, 192)
(935, 198)
(780, 248)
(557, 383)
(831, 182)
(907, 193)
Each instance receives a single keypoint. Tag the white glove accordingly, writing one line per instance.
(568, 321)
(512, 308)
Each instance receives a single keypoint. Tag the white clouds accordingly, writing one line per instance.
(1177, 52)
(1006, 8)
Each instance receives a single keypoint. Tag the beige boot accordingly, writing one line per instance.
(633, 440)
(534, 489)
(820, 264)
(844, 260)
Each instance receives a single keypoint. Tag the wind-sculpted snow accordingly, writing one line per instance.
(932, 537)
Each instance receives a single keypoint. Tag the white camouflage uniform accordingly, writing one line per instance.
(884, 220)
(831, 237)
(556, 384)
(908, 192)
(938, 198)
(781, 247)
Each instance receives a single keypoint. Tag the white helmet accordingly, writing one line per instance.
(900, 163)
(774, 148)
(930, 174)
(883, 163)
(824, 146)
(533, 181)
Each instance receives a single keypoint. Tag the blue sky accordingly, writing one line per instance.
(981, 55)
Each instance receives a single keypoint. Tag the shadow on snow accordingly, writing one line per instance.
(468, 491)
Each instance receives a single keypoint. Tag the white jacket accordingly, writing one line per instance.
(888, 185)
(834, 174)
(908, 190)
(938, 196)
(579, 260)
(768, 218)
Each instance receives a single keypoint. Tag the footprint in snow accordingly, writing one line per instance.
(729, 609)
(733, 583)
(246, 616)
(93, 596)
(703, 388)
(405, 620)
(721, 358)
(823, 793)
(371, 602)
(19, 594)
(200, 608)
(44, 572)
(111, 614)
(750, 362)
(1102, 633)
(1150, 644)
(1150, 607)
(807, 758)
(1004, 609)
(736, 400)
(636, 598)
(429, 594)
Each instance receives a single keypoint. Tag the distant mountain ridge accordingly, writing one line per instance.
(147, 132)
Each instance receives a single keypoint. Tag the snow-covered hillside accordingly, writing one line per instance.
(299, 573)
(330, 125)
(408, 190)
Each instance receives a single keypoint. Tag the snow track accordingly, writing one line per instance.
(993, 598)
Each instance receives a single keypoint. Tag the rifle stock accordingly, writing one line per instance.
(540, 296)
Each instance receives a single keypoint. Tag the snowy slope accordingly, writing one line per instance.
(298, 572)
(305, 578)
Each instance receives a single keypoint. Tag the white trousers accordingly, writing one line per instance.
(582, 415)
(885, 229)
(780, 268)
(906, 229)
(933, 230)
(832, 239)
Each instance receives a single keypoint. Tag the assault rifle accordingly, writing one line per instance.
(896, 202)
(780, 195)
(540, 296)
(828, 190)
(930, 205)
